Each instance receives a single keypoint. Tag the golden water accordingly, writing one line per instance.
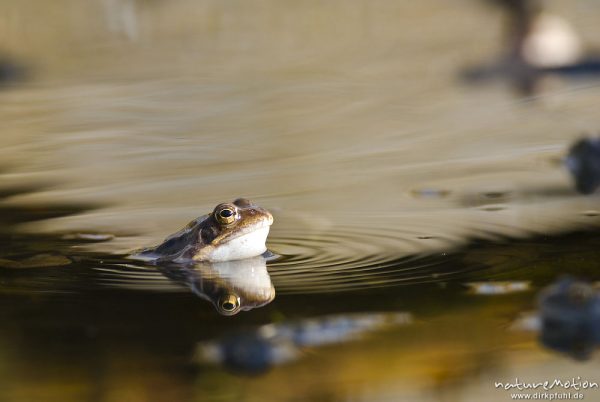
(349, 122)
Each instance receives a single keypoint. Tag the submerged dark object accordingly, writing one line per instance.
(256, 351)
(583, 162)
(570, 318)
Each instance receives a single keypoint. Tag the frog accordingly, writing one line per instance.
(232, 231)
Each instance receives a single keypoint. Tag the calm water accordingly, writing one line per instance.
(417, 217)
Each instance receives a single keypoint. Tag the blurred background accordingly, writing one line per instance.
(411, 153)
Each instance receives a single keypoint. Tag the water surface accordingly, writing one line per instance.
(394, 185)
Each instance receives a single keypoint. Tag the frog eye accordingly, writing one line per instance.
(225, 214)
(229, 304)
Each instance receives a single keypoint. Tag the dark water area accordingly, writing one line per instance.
(140, 333)
(429, 238)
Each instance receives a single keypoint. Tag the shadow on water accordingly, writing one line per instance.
(21, 252)
(12, 215)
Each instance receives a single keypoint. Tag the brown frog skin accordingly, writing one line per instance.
(233, 231)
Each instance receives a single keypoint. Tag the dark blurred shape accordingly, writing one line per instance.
(253, 353)
(256, 351)
(537, 45)
(583, 162)
(11, 72)
(14, 190)
(36, 261)
(522, 69)
(231, 286)
(12, 214)
(570, 318)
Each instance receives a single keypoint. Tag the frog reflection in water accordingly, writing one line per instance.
(233, 231)
(220, 257)
(231, 286)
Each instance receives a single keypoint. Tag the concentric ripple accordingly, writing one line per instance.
(351, 258)
(355, 257)
(343, 258)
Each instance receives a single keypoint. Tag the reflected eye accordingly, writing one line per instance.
(229, 304)
(225, 215)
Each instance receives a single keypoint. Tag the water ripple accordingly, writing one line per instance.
(352, 258)
(342, 259)
(137, 277)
